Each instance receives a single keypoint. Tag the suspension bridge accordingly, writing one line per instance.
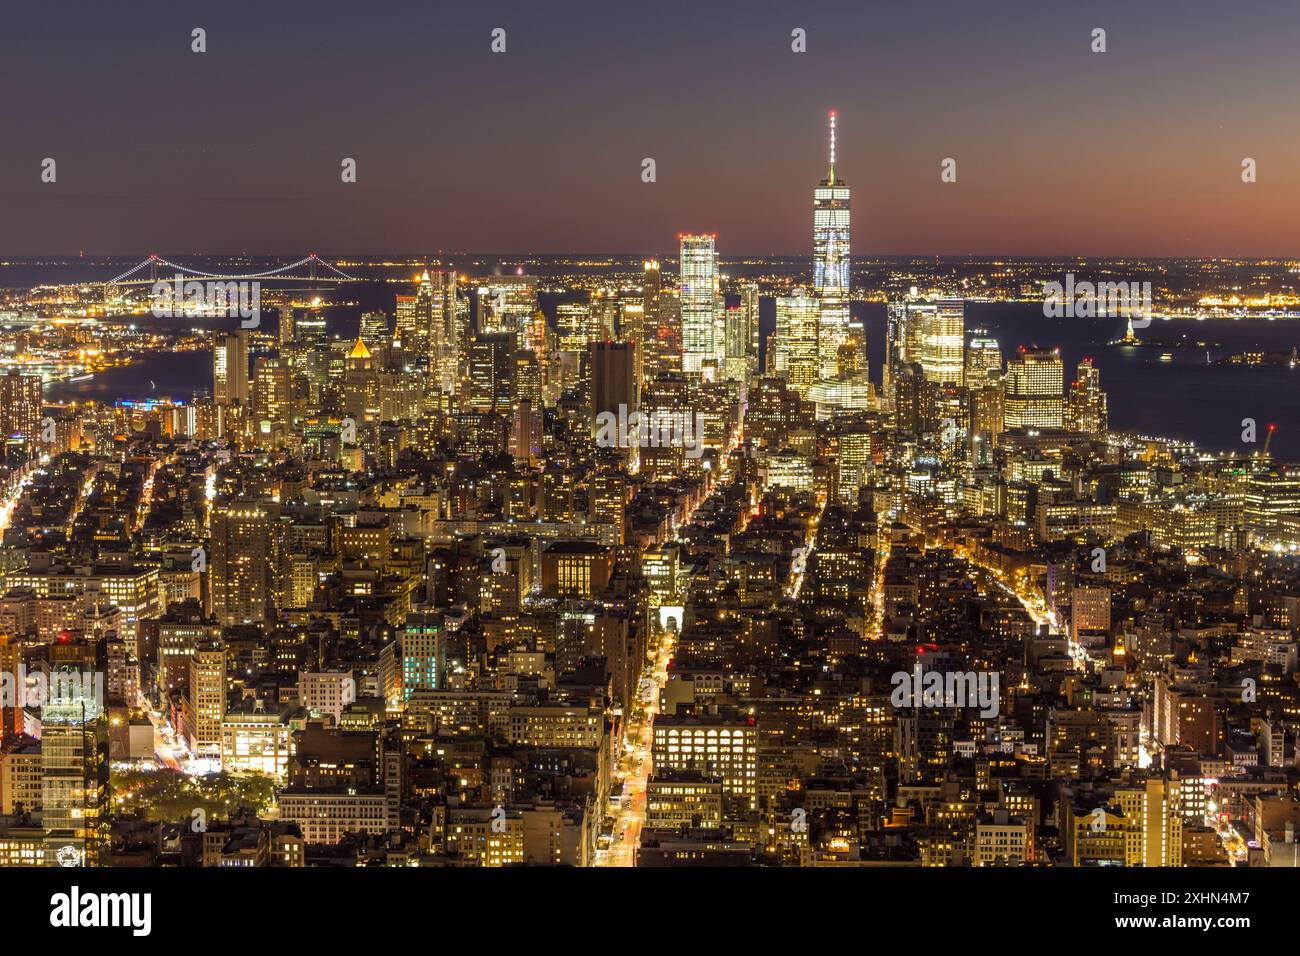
(315, 268)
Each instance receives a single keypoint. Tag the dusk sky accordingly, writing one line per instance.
(1059, 150)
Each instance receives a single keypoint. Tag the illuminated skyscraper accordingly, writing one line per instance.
(1271, 492)
(74, 754)
(447, 332)
(742, 336)
(205, 705)
(795, 340)
(929, 335)
(986, 407)
(409, 320)
(509, 304)
(20, 405)
(983, 361)
(242, 561)
(415, 319)
(853, 462)
(360, 391)
(571, 322)
(1035, 385)
(603, 317)
(643, 329)
(608, 499)
(1142, 826)
(492, 372)
(632, 326)
(699, 298)
(906, 321)
(374, 331)
(831, 266)
(272, 393)
(1086, 411)
(309, 325)
(943, 341)
(663, 326)
(230, 369)
(422, 644)
(285, 329)
(430, 329)
(528, 378)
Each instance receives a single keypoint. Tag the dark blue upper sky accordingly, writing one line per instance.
(1059, 150)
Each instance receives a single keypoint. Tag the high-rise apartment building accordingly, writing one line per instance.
(244, 554)
(272, 393)
(742, 336)
(205, 704)
(699, 302)
(230, 369)
(423, 654)
(986, 409)
(649, 344)
(1089, 611)
(20, 406)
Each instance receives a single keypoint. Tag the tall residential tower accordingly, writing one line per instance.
(699, 298)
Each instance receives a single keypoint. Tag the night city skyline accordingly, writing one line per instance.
(550, 438)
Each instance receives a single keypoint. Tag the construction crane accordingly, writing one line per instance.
(1268, 441)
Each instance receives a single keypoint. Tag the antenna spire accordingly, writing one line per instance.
(831, 175)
